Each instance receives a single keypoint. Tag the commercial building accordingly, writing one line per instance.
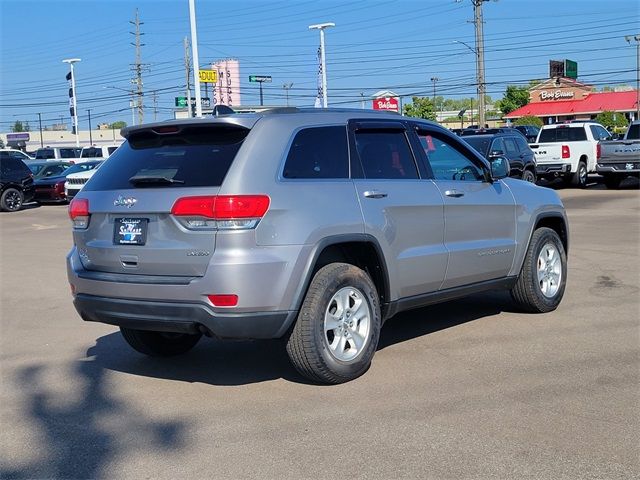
(564, 99)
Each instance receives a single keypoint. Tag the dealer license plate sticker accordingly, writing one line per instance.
(130, 231)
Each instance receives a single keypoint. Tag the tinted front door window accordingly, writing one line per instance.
(386, 155)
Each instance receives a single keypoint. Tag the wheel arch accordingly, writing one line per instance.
(361, 250)
(555, 222)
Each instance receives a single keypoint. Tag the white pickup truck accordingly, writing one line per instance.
(569, 150)
(620, 158)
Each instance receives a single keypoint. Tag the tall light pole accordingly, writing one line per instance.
(630, 38)
(475, 52)
(194, 55)
(323, 62)
(71, 61)
(287, 87)
(90, 137)
(40, 123)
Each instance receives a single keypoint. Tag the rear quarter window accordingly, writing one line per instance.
(194, 157)
(318, 152)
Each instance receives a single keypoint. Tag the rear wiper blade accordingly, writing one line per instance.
(153, 180)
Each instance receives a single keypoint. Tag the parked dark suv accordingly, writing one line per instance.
(529, 131)
(315, 225)
(16, 183)
(512, 145)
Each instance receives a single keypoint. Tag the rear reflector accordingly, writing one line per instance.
(223, 300)
(566, 153)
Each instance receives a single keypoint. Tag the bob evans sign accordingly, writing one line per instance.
(556, 94)
(387, 103)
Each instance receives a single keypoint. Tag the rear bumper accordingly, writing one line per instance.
(182, 317)
(621, 168)
(553, 168)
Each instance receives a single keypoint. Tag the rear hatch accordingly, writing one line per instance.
(131, 227)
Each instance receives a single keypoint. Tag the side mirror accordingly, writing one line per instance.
(500, 167)
(496, 153)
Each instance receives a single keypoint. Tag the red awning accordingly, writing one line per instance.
(592, 104)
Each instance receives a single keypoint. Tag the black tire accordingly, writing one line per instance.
(579, 179)
(529, 176)
(528, 292)
(159, 344)
(612, 181)
(310, 343)
(11, 200)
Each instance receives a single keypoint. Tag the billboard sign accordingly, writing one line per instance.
(208, 76)
(571, 69)
(386, 103)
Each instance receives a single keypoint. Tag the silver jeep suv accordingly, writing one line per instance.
(312, 225)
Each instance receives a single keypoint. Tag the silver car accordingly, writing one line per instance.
(314, 225)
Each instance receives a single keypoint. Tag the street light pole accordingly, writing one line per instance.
(434, 80)
(71, 61)
(323, 62)
(194, 51)
(629, 38)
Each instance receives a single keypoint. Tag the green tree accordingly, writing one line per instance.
(529, 120)
(1, 143)
(514, 98)
(612, 119)
(118, 125)
(18, 127)
(27, 127)
(422, 107)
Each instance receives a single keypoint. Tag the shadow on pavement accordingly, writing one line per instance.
(72, 439)
(226, 362)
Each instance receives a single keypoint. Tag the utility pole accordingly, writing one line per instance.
(477, 21)
(90, 137)
(138, 67)
(155, 105)
(434, 80)
(286, 87)
(362, 100)
(187, 67)
(629, 38)
(40, 123)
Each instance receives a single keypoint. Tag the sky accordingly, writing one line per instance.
(396, 45)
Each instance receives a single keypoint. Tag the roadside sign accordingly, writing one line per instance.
(208, 76)
(16, 137)
(386, 103)
(181, 102)
(260, 78)
(571, 69)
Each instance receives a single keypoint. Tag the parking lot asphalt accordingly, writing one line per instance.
(467, 389)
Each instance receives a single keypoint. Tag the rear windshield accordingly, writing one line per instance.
(481, 144)
(562, 134)
(634, 132)
(195, 157)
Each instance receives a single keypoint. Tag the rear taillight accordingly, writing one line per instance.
(222, 212)
(79, 213)
(566, 153)
(598, 151)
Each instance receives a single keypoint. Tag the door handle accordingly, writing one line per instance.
(374, 194)
(454, 193)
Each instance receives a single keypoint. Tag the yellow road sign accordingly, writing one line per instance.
(208, 76)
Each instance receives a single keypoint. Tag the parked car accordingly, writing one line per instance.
(620, 158)
(511, 144)
(20, 155)
(315, 225)
(569, 151)
(16, 183)
(76, 180)
(47, 168)
(57, 153)
(52, 188)
(529, 131)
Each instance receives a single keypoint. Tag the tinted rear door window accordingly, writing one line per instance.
(319, 152)
(195, 157)
(512, 148)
